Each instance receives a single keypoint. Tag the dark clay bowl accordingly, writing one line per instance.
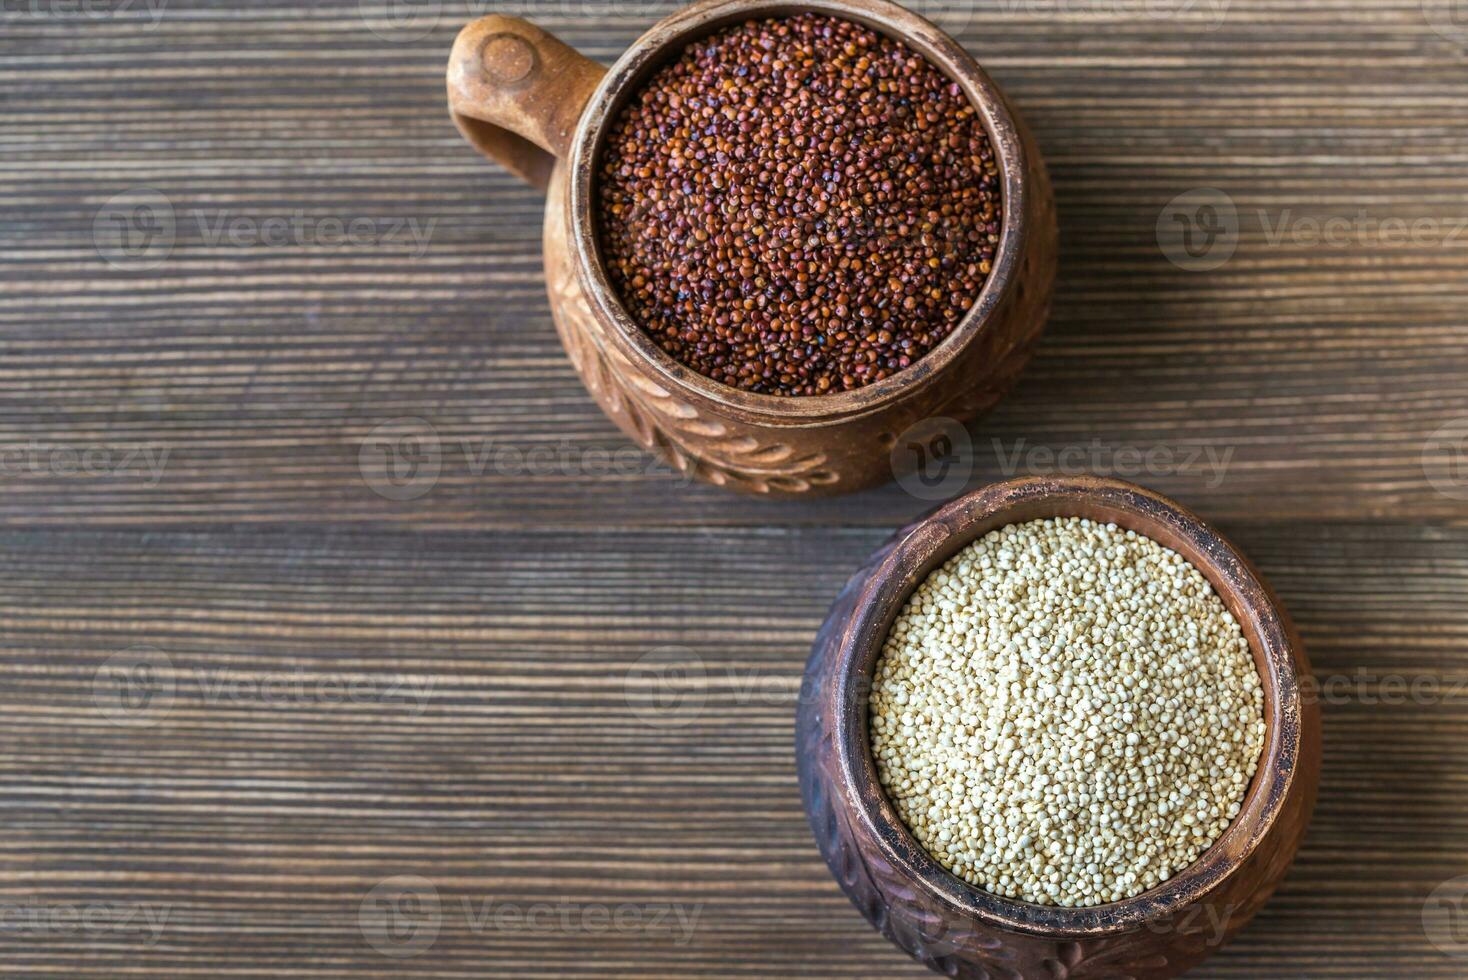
(964, 932)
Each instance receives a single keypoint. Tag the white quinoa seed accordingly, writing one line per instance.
(1065, 713)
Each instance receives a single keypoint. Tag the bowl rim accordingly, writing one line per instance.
(704, 17)
(931, 541)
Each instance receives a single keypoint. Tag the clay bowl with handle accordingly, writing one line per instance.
(968, 933)
(542, 110)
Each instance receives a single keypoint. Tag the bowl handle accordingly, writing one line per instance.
(516, 93)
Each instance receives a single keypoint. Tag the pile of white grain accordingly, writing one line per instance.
(1065, 713)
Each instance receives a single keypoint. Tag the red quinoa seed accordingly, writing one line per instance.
(798, 206)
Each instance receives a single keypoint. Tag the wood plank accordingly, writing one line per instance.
(1320, 370)
(512, 734)
(541, 768)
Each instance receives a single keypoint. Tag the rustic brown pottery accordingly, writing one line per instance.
(541, 109)
(967, 933)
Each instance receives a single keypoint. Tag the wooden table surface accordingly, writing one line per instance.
(258, 718)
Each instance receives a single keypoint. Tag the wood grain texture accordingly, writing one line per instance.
(563, 754)
(542, 768)
(261, 369)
